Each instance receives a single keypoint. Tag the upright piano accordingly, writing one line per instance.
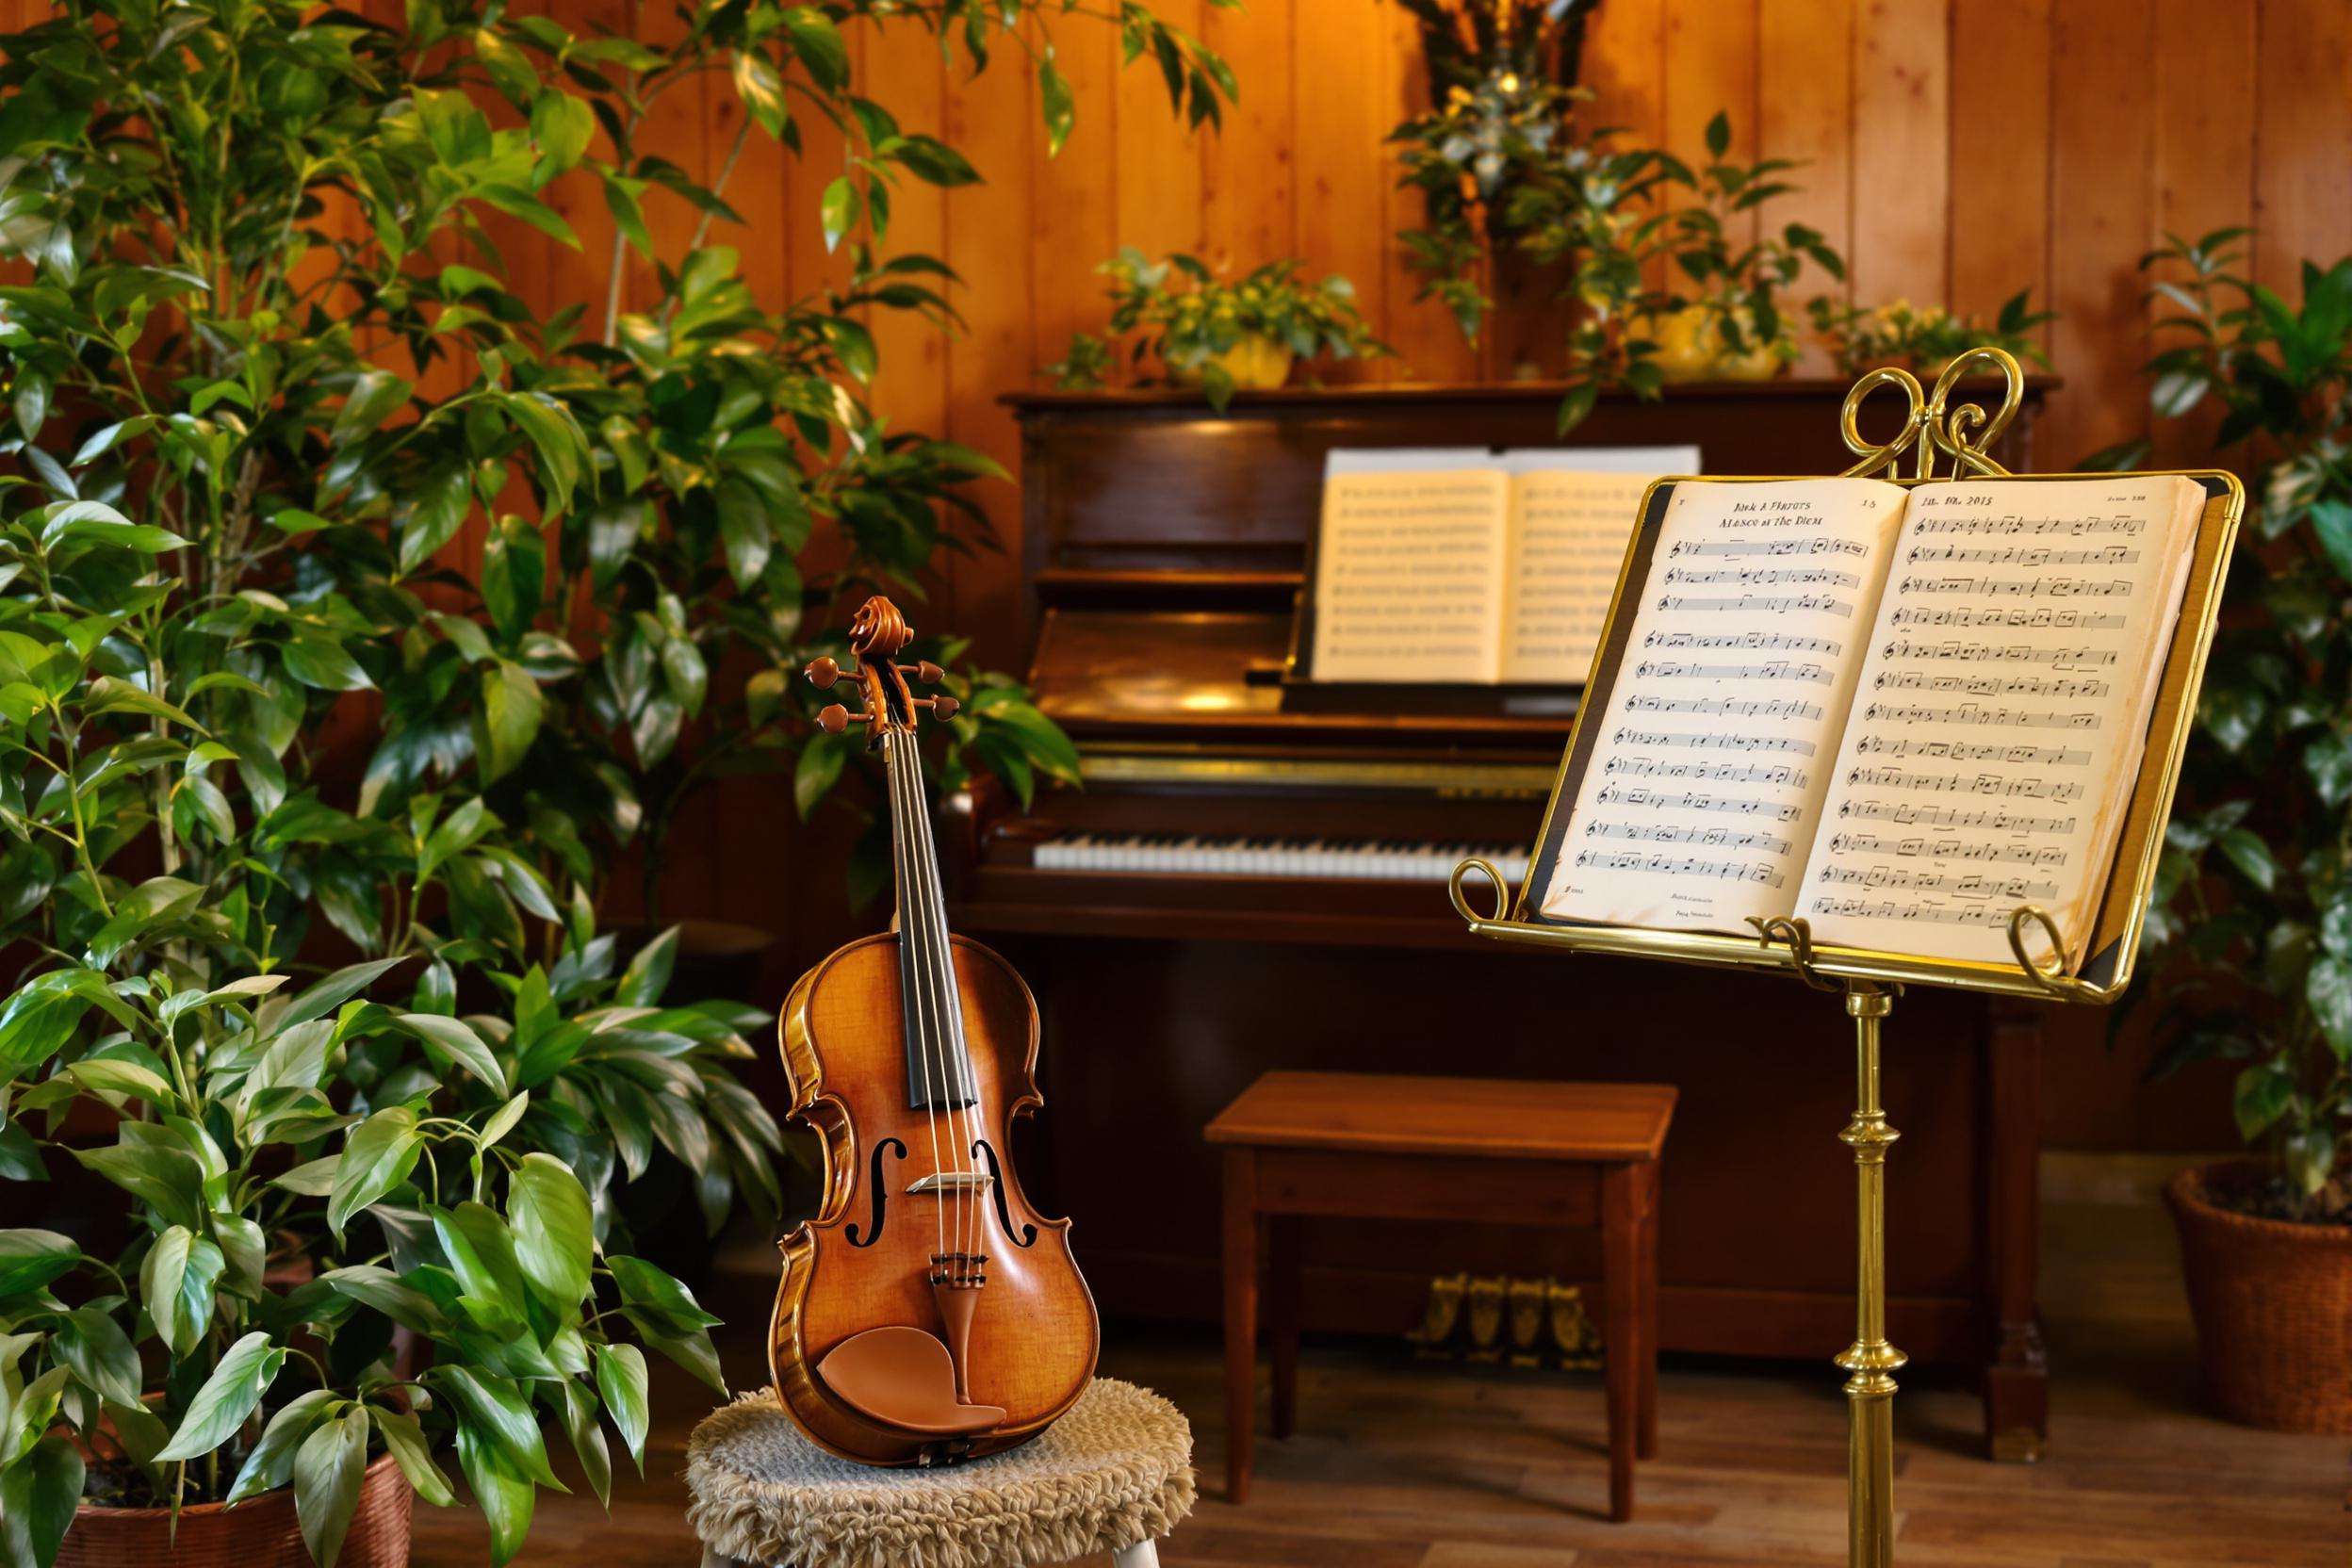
(1253, 877)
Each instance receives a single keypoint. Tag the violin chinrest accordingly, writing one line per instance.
(904, 1378)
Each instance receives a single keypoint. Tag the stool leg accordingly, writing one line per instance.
(1143, 1554)
(1646, 1446)
(1620, 1269)
(1282, 1316)
(1241, 1317)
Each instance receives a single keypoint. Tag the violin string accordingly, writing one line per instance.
(925, 869)
(946, 1016)
(910, 920)
(973, 1209)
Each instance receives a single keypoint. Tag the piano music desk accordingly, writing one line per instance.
(1400, 1148)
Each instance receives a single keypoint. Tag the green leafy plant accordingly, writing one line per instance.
(300, 1193)
(1735, 285)
(1194, 326)
(1923, 339)
(262, 367)
(2252, 910)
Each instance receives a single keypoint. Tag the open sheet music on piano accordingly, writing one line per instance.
(1460, 564)
(1899, 715)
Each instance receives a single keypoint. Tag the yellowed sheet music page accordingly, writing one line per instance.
(1568, 540)
(1408, 576)
(1698, 801)
(2002, 711)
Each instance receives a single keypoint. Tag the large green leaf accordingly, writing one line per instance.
(271, 1465)
(580, 1422)
(490, 1406)
(621, 1379)
(481, 1252)
(38, 1496)
(512, 709)
(554, 1233)
(2328, 989)
(226, 1398)
(328, 1469)
(90, 1342)
(407, 1443)
(377, 1157)
(457, 1038)
(500, 1487)
(30, 1259)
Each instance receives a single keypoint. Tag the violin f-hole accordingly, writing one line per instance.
(1027, 1234)
(881, 1190)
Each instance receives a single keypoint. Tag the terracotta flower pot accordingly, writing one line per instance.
(260, 1532)
(2273, 1304)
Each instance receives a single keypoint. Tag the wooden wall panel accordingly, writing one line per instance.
(1420, 330)
(2303, 181)
(1805, 112)
(1902, 128)
(1999, 223)
(2102, 142)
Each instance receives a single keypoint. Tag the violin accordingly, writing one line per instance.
(927, 1313)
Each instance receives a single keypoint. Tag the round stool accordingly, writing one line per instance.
(1113, 1475)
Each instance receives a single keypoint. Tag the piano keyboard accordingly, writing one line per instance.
(1354, 859)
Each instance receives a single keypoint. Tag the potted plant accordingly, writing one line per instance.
(1732, 327)
(224, 513)
(255, 1120)
(1221, 338)
(2253, 903)
(1923, 339)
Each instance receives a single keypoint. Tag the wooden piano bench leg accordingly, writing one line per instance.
(1241, 1317)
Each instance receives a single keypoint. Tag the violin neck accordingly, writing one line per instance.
(938, 1068)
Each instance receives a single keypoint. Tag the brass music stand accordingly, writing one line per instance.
(1869, 980)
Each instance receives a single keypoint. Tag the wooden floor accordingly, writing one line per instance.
(1407, 1465)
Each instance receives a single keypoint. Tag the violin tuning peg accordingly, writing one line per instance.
(833, 718)
(823, 673)
(929, 674)
(945, 708)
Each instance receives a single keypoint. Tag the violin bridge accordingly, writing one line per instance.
(953, 1180)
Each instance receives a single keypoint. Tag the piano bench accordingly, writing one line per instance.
(1381, 1146)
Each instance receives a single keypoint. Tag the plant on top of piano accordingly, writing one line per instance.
(1221, 336)
(1925, 339)
(2261, 974)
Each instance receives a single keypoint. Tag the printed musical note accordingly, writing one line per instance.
(1989, 685)
(1964, 751)
(1908, 812)
(1712, 772)
(1668, 865)
(1763, 577)
(2027, 788)
(1688, 800)
(1706, 837)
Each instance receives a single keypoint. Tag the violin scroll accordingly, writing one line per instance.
(876, 634)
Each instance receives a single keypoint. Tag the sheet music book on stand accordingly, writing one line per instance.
(1900, 715)
(1438, 571)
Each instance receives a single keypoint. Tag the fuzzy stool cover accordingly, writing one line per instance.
(1112, 1474)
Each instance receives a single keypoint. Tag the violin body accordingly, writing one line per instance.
(1033, 1335)
(927, 1313)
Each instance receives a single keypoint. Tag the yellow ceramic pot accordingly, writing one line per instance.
(1256, 364)
(1690, 348)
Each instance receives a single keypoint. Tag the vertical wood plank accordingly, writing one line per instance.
(1901, 136)
(1624, 65)
(1999, 155)
(1157, 192)
(1805, 111)
(1711, 64)
(673, 128)
(988, 228)
(2303, 191)
(2205, 89)
(1342, 120)
(2101, 144)
(1429, 345)
(1076, 195)
(1246, 167)
(905, 71)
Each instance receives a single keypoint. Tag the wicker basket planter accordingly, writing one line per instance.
(261, 1532)
(2273, 1304)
